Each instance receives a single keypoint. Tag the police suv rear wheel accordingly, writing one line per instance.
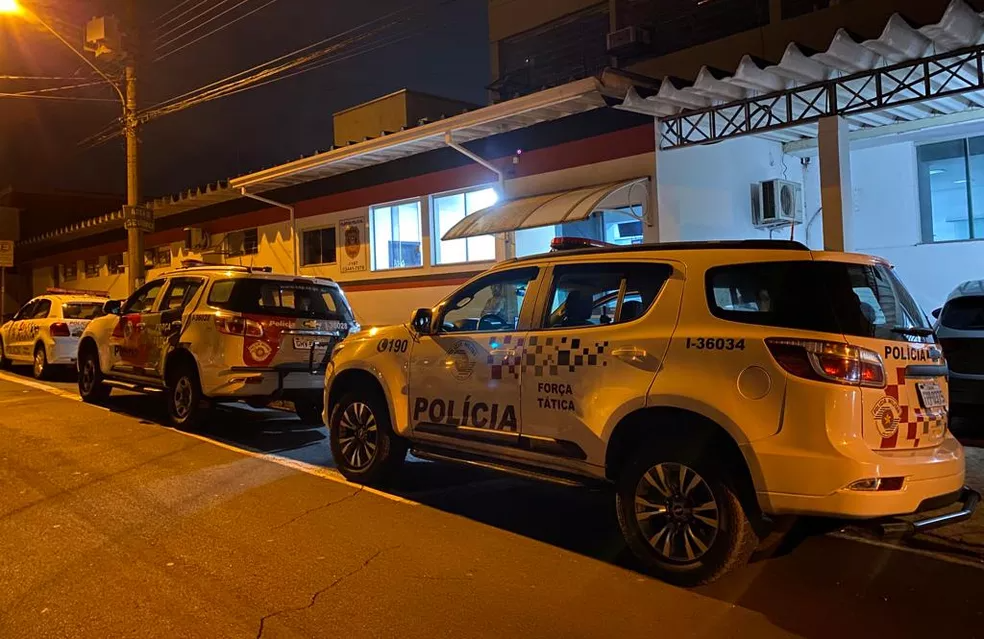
(681, 516)
(92, 388)
(184, 397)
(40, 363)
(363, 444)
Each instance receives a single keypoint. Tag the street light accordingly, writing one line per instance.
(129, 103)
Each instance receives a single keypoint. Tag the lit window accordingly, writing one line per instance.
(319, 246)
(92, 268)
(451, 209)
(951, 190)
(396, 236)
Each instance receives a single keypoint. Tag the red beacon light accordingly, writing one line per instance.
(572, 243)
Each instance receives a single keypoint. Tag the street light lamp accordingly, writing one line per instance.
(135, 242)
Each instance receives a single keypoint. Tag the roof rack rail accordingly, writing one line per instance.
(191, 265)
(768, 245)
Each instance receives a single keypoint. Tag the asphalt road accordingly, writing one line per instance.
(113, 525)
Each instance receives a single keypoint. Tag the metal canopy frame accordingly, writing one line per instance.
(945, 74)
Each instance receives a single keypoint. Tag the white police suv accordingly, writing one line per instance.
(716, 386)
(45, 331)
(208, 333)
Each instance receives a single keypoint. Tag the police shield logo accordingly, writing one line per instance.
(887, 414)
(462, 357)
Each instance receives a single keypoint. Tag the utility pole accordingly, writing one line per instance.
(135, 229)
(134, 233)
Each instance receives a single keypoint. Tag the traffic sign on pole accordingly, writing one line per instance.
(6, 253)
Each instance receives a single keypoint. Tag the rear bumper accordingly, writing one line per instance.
(63, 350)
(967, 499)
(246, 382)
(817, 484)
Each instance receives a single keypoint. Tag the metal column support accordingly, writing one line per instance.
(293, 223)
(507, 241)
(651, 228)
(835, 183)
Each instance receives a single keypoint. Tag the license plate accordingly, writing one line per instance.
(931, 395)
(305, 344)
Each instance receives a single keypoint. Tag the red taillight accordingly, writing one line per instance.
(239, 326)
(828, 361)
(60, 329)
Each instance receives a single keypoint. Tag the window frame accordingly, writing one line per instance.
(118, 270)
(543, 312)
(436, 240)
(75, 271)
(319, 229)
(419, 201)
(125, 308)
(98, 269)
(532, 292)
(975, 232)
(39, 306)
(185, 301)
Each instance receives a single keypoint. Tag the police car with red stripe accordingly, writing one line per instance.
(215, 333)
(719, 388)
(45, 332)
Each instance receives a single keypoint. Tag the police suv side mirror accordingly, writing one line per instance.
(937, 312)
(112, 307)
(421, 321)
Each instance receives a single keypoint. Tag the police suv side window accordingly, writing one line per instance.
(180, 292)
(143, 300)
(493, 303)
(597, 294)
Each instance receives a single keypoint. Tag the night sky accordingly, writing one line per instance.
(446, 54)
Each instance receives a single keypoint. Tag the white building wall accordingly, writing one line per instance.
(887, 223)
(706, 192)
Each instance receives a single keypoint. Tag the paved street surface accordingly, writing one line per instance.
(113, 525)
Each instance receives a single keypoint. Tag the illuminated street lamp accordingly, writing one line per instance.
(129, 101)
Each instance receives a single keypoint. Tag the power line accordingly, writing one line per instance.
(198, 26)
(61, 88)
(216, 30)
(170, 11)
(184, 13)
(38, 78)
(34, 96)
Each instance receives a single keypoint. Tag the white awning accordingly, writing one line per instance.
(540, 210)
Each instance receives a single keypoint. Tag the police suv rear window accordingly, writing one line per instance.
(82, 310)
(829, 297)
(281, 298)
(964, 313)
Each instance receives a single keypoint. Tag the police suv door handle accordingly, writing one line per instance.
(633, 353)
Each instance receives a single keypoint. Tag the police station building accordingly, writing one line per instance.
(872, 145)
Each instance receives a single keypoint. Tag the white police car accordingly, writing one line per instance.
(45, 332)
(716, 386)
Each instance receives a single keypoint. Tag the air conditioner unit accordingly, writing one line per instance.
(628, 41)
(780, 203)
(196, 240)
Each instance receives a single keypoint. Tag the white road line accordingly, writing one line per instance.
(311, 469)
(915, 551)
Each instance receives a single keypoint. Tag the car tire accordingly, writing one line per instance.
(681, 515)
(4, 362)
(39, 366)
(92, 387)
(363, 444)
(309, 410)
(185, 405)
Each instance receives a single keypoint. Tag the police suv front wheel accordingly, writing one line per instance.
(681, 516)
(363, 444)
